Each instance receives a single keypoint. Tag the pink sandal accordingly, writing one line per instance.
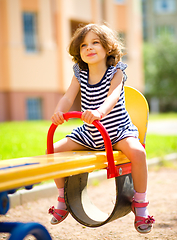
(139, 221)
(58, 214)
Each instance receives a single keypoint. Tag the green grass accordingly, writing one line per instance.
(159, 145)
(163, 116)
(26, 139)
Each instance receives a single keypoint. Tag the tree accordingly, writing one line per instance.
(160, 65)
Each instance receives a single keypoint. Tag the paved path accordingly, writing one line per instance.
(164, 127)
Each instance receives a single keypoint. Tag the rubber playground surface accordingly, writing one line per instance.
(162, 195)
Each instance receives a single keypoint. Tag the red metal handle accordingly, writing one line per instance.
(111, 169)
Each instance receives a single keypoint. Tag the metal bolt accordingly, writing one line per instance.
(120, 171)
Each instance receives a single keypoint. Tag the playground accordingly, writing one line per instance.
(163, 206)
(116, 203)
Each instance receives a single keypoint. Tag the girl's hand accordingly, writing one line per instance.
(58, 118)
(89, 116)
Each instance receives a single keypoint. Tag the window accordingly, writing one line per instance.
(34, 108)
(30, 31)
(165, 30)
(122, 37)
(119, 1)
(164, 6)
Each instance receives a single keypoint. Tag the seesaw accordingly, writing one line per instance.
(75, 166)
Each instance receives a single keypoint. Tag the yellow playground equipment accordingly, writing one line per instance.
(75, 166)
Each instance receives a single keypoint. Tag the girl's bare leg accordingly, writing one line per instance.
(135, 152)
(65, 145)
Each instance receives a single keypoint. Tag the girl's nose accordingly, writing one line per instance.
(89, 47)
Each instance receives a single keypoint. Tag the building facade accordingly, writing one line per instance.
(35, 67)
(159, 17)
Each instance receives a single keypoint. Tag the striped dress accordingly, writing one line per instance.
(117, 123)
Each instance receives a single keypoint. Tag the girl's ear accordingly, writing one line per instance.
(109, 52)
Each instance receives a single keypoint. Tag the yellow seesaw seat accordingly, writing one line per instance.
(138, 110)
(31, 170)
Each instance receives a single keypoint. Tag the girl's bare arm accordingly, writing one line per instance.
(66, 102)
(113, 94)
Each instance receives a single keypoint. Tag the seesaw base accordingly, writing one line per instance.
(82, 209)
(20, 230)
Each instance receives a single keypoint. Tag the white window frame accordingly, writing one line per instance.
(158, 6)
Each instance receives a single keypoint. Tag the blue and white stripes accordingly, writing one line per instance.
(117, 123)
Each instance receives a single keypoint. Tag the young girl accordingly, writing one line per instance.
(100, 76)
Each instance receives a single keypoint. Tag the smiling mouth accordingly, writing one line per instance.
(91, 54)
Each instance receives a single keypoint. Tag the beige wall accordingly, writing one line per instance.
(49, 71)
(80, 11)
(134, 45)
(27, 69)
(4, 49)
(129, 22)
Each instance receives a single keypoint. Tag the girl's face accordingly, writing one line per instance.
(91, 49)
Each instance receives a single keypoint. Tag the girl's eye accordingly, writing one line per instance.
(96, 42)
(83, 45)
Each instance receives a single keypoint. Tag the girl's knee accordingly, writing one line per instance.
(138, 155)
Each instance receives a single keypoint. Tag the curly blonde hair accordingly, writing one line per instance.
(108, 39)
